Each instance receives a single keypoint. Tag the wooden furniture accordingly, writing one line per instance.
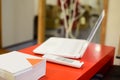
(2, 51)
(97, 58)
(104, 22)
(41, 21)
(0, 27)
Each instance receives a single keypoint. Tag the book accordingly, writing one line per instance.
(20, 66)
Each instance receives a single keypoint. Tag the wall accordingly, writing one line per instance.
(17, 21)
(36, 3)
(113, 26)
(52, 2)
(7, 22)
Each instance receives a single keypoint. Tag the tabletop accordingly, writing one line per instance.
(95, 57)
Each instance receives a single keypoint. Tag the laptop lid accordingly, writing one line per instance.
(91, 35)
(96, 26)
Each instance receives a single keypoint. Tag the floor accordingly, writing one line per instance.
(21, 45)
(3, 51)
(113, 73)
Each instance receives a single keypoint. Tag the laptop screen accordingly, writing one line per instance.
(96, 27)
(91, 32)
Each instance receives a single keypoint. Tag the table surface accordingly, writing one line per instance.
(95, 57)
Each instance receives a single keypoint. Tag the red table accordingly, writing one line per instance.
(96, 58)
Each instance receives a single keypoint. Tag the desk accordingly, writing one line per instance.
(96, 58)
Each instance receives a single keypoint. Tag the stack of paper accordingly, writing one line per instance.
(19, 66)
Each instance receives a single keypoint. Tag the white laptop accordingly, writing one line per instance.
(70, 48)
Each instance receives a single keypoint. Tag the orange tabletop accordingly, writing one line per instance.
(96, 58)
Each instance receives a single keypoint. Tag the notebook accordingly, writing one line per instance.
(66, 47)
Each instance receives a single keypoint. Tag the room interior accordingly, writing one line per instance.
(41, 25)
(105, 38)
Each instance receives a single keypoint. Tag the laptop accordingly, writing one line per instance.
(66, 47)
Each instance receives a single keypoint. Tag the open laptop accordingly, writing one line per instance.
(70, 48)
